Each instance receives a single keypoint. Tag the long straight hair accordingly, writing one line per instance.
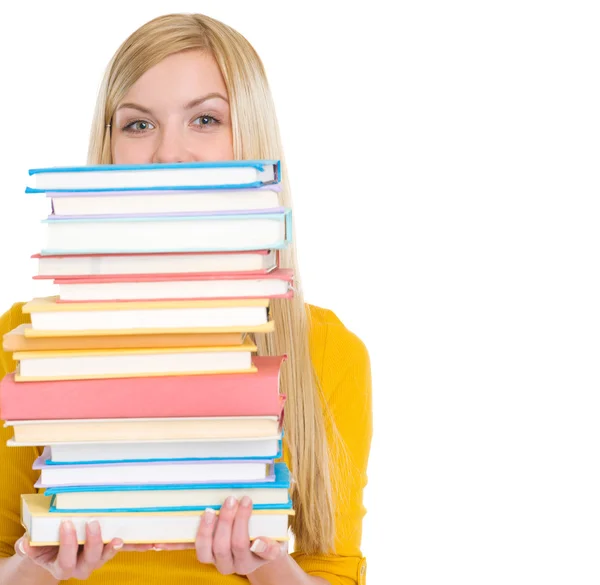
(255, 137)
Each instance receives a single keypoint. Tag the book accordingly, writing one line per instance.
(145, 316)
(157, 176)
(17, 340)
(132, 363)
(43, 432)
(255, 393)
(144, 497)
(187, 233)
(152, 472)
(42, 526)
(276, 284)
(153, 450)
(92, 203)
(81, 265)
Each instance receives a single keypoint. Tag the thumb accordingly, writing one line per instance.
(267, 549)
(21, 547)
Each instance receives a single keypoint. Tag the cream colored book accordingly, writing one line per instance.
(42, 526)
(127, 363)
(44, 432)
(118, 451)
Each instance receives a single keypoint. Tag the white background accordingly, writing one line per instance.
(444, 164)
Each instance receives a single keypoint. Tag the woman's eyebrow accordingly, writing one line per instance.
(189, 106)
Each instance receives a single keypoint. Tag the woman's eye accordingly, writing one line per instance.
(139, 126)
(205, 121)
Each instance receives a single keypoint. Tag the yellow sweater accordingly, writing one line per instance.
(342, 366)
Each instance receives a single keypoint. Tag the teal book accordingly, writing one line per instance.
(265, 495)
(232, 174)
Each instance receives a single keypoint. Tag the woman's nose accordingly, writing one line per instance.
(171, 147)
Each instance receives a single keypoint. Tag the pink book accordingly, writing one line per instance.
(74, 266)
(246, 394)
(213, 286)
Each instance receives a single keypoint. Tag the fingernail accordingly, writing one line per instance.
(230, 502)
(68, 526)
(94, 527)
(246, 501)
(21, 547)
(209, 516)
(118, 545)
(157, 548)
(258, 546)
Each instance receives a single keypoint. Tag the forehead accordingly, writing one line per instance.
(177, 79)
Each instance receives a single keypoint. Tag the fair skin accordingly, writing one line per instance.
(177, 111)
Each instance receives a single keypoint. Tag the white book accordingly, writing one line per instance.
(172, 472)
(141, 497)
(78, 265)
(116, 451)
(161, 175)
(152, 234)
(107, 363)
(276, 284)
(164, 202)
(49, 315)
(42, 526)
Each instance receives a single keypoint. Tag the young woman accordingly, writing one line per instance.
(189, 88)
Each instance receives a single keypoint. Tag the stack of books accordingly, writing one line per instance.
(139, 378)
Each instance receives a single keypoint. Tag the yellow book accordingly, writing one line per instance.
(51, 319)
(42, 526)
(44, 432)
(125, 363)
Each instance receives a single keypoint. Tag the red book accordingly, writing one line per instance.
(246, 394)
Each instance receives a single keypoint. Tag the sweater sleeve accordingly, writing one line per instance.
(16, 474)
(345, 374)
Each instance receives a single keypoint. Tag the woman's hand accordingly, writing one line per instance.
(225, 542)
(67, 560)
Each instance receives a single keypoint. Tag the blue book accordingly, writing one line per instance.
(232, 174)
(171, 497)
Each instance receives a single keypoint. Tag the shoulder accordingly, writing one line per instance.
(12, 317)
(337, 353)
(9, 320)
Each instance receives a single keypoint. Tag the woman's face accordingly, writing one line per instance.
(178, 111)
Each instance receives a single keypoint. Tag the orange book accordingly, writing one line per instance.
(17, 340)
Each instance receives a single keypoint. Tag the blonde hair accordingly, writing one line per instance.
(255, 136)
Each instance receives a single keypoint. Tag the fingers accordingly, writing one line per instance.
(240, 539)
(110, 550)
(68, 548)
(20, 546)
(221, 547)
(93, 547)
(204, 537)
(268, 549)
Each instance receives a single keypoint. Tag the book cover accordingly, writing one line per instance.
(158, 263)
(235, 174)
(214, 286)
(255, 393)
(82, 364)
(17, 340)
(42, 525)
